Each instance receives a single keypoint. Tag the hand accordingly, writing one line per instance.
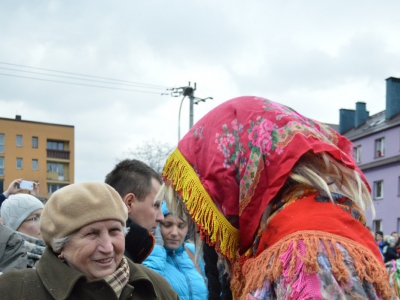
(13, 188)
(35, 191)
(158, 237)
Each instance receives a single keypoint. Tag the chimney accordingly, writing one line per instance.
(346, 120)
(392, 97)
(18, 117)
(361, 114)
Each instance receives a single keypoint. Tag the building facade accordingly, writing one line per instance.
(376, 142)
(36, 151)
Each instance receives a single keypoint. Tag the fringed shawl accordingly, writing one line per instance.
(235, 159)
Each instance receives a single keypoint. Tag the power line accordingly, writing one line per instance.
(78, 74)
(74, 83)
(75, 78)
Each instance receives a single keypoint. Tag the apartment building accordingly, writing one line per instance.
(36, 151)
(376, 142)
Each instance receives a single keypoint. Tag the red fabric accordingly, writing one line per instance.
(243, 151)
(308, 214)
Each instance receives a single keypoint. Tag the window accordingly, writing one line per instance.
(51, 188)
(380, 147)
(34, 142)
(35, 165)
(377, 225)
(54, 145)
(19, 140)
(1, 166)
(1, 186)
(378, 189)
(19, 163)
(1, 143)
(56, 168)
(357, 153)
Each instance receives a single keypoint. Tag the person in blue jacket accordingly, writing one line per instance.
(175, 259)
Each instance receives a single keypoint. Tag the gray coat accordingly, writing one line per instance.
(12, 251)
(53, 279)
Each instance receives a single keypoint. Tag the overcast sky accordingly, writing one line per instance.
(315, 56)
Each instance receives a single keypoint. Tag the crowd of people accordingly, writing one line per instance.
(256, 202)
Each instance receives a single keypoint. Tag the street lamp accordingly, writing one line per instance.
(186, 91)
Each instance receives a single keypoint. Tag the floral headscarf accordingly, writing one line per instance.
(235, 159)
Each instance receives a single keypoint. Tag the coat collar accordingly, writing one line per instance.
(60, 279)
(176, 251)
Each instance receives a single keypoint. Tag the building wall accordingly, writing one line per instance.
(44, 132)
(386, 207)
(392, 145)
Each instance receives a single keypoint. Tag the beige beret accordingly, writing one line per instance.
(77, 205)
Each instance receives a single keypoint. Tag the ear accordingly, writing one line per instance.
(129, 200)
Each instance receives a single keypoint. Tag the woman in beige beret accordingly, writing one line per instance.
(83, 226)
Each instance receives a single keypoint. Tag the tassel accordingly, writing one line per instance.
(211, 222)
(295, 258)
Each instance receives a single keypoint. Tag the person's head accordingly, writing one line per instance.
(395, 234)
(174, 228)
(391, 241)
(138, 184)
(21, 212)
(85, 223)
(235, 160)
(378, 235)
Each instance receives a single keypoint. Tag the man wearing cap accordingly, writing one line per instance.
(138, 184)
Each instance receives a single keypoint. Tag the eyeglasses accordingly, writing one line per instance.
(34, 219)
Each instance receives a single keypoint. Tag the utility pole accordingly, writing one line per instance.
(187, 91)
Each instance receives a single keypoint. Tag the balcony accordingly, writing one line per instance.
(60, 154)
(55, 177)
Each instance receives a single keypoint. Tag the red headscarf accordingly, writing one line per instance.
(235, 159)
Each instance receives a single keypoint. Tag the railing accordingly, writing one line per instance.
(58, 154)
(54, 176)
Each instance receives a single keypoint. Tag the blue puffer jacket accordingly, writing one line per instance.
(179, 270)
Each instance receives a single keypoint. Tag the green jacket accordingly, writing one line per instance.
(53, 279)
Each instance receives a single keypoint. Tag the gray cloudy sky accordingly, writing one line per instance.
(314, 56)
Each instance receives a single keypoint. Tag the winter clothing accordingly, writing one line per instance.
(179, 270)
(34, 247)
(139, 243)
(12, 251)
(232, 167)
(2, 198)
(78, 205)
(53, 279)
(17, 208)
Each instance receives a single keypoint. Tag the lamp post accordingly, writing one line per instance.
(186, 91)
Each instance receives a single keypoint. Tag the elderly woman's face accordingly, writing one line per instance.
(96, 249)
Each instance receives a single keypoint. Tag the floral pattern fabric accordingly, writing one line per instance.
(243, 150)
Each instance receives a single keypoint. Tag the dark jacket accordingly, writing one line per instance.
(2, 198)
(12, 251)
(139, 242)
(53, 279)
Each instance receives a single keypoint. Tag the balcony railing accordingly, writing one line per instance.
(57, 154)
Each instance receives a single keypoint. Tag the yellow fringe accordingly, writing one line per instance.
(251, 275)
(202, 209)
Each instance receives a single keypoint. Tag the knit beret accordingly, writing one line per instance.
(77, 205)
(17, 208)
